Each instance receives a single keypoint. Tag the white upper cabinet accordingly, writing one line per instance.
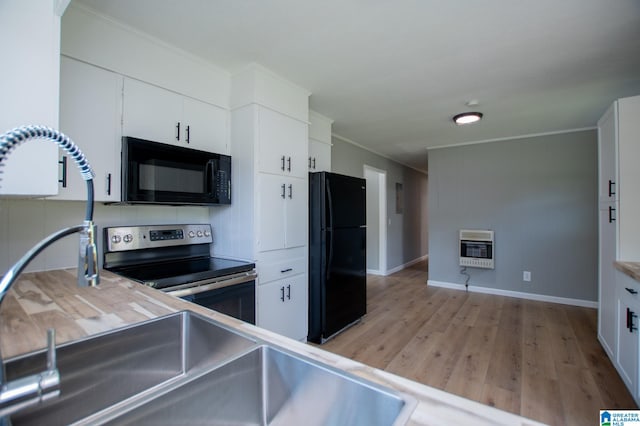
(159, 115)
(151, 113)
(30, 31)
(90, 111)
(282, 203)
(607, 159)
(319, 156)
(207, 126)
(319, 142)
(282, 146)
(619, 151)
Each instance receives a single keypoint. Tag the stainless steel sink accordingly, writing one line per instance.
(187, 369)
(268, 386)
(102, 371)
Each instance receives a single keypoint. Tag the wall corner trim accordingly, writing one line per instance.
(516, 294)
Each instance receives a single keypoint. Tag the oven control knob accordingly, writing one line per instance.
(127, 238)
(192, 234)
(207, 233)
(116, 239)
(199, 234)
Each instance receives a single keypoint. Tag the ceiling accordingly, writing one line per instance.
(393, 73)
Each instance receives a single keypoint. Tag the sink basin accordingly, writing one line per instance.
(268, 386)
(104, 370)
(188, 369)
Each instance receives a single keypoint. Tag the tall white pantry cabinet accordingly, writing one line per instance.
(269, 130)
(619, 235)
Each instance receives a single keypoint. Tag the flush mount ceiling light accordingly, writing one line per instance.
(467, 118)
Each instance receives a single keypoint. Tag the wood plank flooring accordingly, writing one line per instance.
(540, 360)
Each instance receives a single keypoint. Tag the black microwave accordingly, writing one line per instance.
(158, 173)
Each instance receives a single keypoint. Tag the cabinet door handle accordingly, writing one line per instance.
(611, 217)
(108, 183)
(284, 271)
(188, 134)
(178, 131)
(630, 290)
(282, 159)
(611, 185)
(289, 164)
(309, 162)
(290, 191)
(314, 163)
(63, 163)
(630, 316)
(282, 293)
(289, 292)
(283, 195)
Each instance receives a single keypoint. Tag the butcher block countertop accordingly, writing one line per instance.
(42, 300)
(630, 268)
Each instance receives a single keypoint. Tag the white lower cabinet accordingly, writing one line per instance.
(628, 343)
(282, 306)
(282, 292)
(628, 292)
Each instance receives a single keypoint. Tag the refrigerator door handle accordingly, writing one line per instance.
(330, 255)
(329, 229)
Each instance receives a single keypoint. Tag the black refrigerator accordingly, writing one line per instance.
(337, 253)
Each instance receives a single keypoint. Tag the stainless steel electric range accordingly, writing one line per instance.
(176, 259)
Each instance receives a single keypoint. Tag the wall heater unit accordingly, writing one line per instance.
(476, 248)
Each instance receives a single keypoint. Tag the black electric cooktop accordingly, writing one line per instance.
(172, 273)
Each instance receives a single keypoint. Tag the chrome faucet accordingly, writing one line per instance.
(24, 392)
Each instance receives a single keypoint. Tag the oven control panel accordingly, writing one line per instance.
(123, 238)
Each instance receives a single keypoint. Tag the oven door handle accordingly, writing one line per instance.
(213, 284)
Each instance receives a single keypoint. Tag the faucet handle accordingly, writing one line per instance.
(51, 349)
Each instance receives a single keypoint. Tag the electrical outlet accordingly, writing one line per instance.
(526, 276)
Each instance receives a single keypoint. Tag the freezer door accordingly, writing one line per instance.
(345, 290)
(345, 202)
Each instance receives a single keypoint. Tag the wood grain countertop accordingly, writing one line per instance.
(630, 268)
(42, 300)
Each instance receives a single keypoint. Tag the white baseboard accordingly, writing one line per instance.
(517, 294)
(406, 265)
(374, 272)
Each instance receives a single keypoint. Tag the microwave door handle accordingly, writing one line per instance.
(209, 184)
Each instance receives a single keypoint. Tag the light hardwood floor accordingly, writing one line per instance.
(540, 360)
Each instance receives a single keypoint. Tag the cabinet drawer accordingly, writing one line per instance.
(275, 270)
(627, 287)
(277, 264)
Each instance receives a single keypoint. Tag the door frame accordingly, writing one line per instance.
(382, 215)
